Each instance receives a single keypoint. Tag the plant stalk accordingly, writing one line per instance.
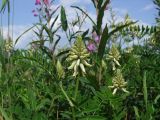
(76, 89)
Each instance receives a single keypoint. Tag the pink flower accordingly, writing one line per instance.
(91, 47)
(35, 14)
(96, 37)
(38, 2)
(94, 34)
(46, 2)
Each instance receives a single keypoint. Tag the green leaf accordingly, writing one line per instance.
(85, 33)
(46, 51)
(85, 14)
(64, 19)
(119, 28)
(56, 43)
(143, 29)
(156, 99)
(106, 36)
(4, 114)
(103, 42)
(93, 118)
(150, 110)
(61, 53)
(39, 116)
(49, 33)
(42, 104)
(147, 30)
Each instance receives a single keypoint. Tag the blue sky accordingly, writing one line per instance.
(142, 10)
(138, 9)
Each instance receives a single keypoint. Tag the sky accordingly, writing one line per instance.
(142, 10)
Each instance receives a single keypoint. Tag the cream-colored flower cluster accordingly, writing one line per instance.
(8, 45)
(114, 57)
(78, 56)
(118, 82)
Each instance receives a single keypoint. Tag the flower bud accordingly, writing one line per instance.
(60, 70)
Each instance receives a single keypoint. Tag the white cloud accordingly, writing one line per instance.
(120, 11)
(148, 7)
(71, 2)
(17, 31)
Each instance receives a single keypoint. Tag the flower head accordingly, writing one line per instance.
(8, 45)
(96, 37)
(35, 14)
(118, 82)
(60, 70)
(78, 56)
(114, 56)
(43, 10)
(91, 47)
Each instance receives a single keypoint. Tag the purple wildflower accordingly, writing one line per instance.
(96, 37)
(38, 2)
(91, 47)
(35, 14)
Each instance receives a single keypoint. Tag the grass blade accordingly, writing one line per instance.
(4, 114)
(145, 89)
(23, 34)
(136, 112)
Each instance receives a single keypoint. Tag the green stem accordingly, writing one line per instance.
(65, 94)
(99, 75)
(70, 102)
(73, 113)
(76, 90)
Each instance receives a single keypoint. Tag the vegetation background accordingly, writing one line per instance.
(98, 76)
